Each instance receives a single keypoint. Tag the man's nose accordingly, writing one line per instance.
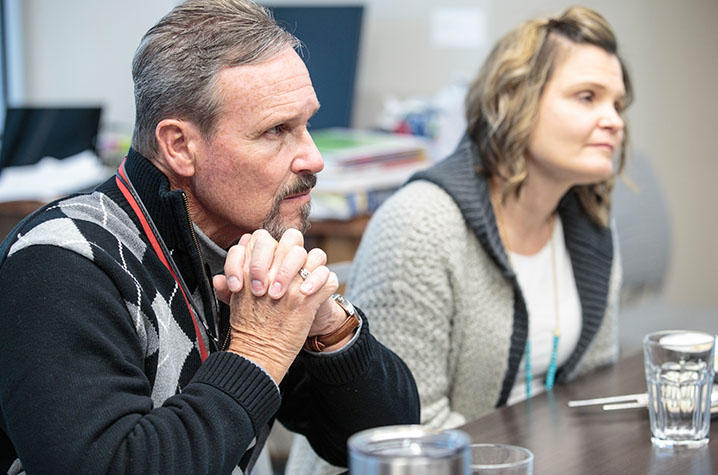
(308, 159)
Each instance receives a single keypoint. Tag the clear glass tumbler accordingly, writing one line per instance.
(679, 377)
(500, 459)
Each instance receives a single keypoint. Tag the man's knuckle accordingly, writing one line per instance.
(256, 268)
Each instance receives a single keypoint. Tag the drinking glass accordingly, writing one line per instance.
(679, 377)
(409, 449)
(499, 459)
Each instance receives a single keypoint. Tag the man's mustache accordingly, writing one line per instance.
(302, 184)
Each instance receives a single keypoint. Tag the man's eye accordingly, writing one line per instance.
(277, 130)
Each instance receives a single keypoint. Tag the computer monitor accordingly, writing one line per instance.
(31, 133)
(331, 47)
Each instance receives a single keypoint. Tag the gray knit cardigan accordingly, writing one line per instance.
(433, 273)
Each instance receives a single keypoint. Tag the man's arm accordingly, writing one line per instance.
(74, 392)
(329, 398)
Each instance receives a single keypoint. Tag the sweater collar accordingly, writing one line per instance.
(457, 175)
(589, 246)
(165, 206)
(167, 209)
(213, 255)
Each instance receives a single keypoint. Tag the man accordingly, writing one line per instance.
(118, 355)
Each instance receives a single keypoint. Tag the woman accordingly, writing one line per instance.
(494, 274)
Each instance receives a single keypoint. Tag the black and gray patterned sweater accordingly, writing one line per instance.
(101, 366)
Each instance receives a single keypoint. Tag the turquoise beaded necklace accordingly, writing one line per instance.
(552, 367)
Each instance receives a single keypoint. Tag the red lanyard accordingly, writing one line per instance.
(158, 249)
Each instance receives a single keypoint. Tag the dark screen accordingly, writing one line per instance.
(31, 133)
(331, 46)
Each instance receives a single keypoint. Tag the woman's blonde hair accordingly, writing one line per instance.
(503, 101)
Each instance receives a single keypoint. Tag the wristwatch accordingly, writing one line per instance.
(319, 342)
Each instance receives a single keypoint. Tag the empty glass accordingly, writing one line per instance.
(499, 459)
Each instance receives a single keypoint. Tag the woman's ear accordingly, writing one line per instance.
(177, 141)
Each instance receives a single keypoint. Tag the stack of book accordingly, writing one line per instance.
(362, 169)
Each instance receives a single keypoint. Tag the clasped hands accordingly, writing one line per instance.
(272, 309)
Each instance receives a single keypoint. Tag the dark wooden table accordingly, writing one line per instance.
(589, 440)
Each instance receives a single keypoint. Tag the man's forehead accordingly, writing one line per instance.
(284, 67)
(283, 73)
(274, 89)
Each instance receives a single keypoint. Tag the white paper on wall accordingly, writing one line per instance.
(458, 27)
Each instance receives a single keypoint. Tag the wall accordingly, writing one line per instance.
(80, 50)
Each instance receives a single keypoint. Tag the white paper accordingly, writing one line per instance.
(455, 27)
(50, 178)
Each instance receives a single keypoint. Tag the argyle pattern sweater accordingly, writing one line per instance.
(101, 364)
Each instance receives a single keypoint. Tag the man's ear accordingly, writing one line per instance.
(177, 141)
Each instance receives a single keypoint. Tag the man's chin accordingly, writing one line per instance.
(277, 224)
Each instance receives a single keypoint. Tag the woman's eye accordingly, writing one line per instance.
(586, 96)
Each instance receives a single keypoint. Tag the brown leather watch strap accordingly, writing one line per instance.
(319, 342)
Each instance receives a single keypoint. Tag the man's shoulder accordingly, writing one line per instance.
(78, 223)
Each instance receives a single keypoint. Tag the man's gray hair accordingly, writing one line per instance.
(176, 64)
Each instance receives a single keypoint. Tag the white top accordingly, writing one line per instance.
(535, 276)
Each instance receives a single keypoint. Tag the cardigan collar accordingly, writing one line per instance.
(470, 190)
(589, 246)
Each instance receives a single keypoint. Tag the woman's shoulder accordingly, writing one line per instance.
(420, 203)
(420, 219)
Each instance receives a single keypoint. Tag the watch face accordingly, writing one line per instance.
(344, 303)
